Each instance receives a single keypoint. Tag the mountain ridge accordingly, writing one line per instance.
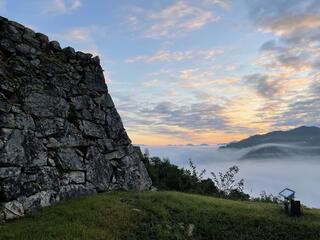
(307, 134)
(304, 140)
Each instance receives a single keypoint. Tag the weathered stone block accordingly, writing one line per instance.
(13, 153)
(11, 188)
(13, 209)
(25, 49)
(83, 102)
(115, 154)
(133, 174)
(42, 105)
(40, 199)
(19, 121)
(72, 191)
(68, 159)
(6, 172)
(36, 179)
(55, 45)
(90, 129)
(74, 177)
(35, 151)
(5, 107)
(99, 170)
(105, 101)
(50, 126)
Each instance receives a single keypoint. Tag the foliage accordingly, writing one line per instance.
(161, 216)
(167, 176)
(264, 197)
(228, 186)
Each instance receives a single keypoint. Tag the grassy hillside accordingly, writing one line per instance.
(161, 215)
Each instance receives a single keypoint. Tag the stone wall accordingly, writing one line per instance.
(60, 133)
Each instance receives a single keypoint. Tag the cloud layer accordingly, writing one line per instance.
(63, 6)
(197, 71)
(175, 19)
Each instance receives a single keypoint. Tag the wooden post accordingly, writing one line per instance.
(295, 208)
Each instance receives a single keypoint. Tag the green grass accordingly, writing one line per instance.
(161, 215)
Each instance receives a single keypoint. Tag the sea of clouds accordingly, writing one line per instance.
(300, 173)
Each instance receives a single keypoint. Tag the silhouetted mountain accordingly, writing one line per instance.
(306, 136)
(204, 144)
(190, 145)
(299, 141)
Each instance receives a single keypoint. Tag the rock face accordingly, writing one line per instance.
(60, 134)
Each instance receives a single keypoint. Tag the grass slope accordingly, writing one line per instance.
(161, 215)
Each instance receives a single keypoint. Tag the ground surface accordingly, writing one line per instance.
(161, 215)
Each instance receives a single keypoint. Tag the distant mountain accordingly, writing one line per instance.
(276, 150)
(299, 141)
(204, 144)
(189, 145)
(309, 136)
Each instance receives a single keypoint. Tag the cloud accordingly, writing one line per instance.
(264, 85)
(302, 108)
(175, 56)
(82, 38)
(289, 60)
(152, 83)
(192, 112)
(221, 3)
(79, 34)
(303, 112)
(176, 120)
(63, 6)
(159, 72)
(162, 56)
(204, 78)
(202, 81)
(295, 27)
(197, 116)
(288, 114)
(289, 24)
(283, 17)
(195, 78)
(171, 21)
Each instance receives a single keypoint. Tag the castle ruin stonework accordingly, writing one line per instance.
(60, 134)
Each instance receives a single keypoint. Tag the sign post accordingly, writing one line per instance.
(291, 206)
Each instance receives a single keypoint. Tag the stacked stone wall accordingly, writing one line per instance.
(60, 133)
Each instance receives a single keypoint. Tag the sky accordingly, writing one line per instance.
(186, 71)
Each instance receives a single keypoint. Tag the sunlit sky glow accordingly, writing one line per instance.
(185, 71)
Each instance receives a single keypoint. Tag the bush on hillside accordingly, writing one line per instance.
(167, 176)
(264, 197)
(228, 186)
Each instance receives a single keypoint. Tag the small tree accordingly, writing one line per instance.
(194, 172)
(197, 183)
(226, 182)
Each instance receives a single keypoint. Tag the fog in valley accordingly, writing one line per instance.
(299, 172)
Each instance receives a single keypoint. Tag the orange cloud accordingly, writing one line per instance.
(209, 137)
(288, 24)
